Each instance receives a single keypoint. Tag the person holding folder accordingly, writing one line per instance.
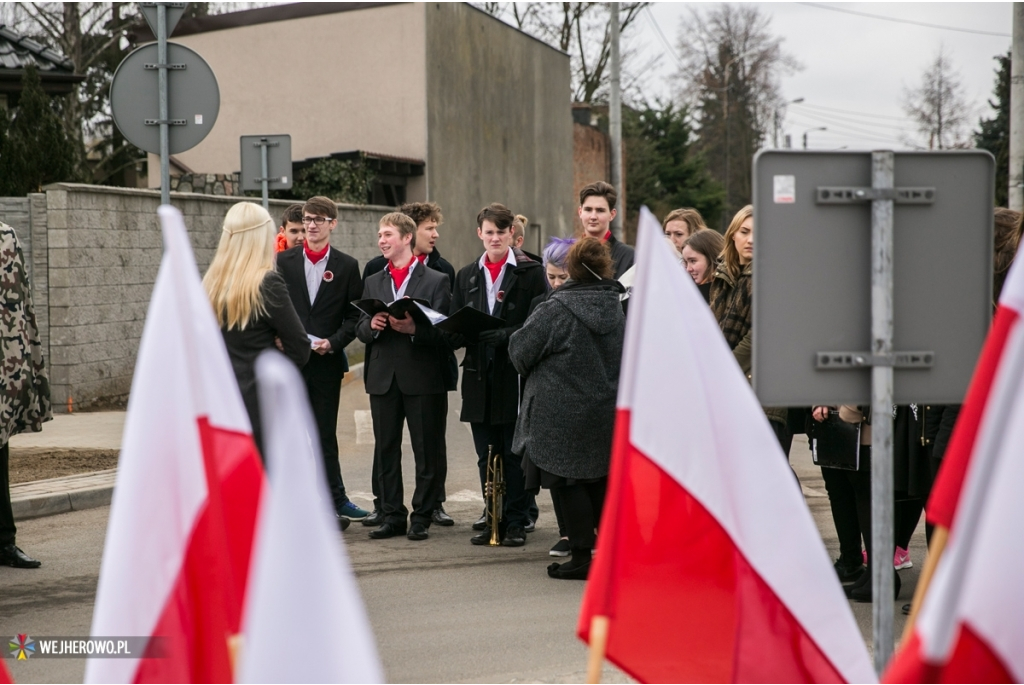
(404, 374)
(502, 282)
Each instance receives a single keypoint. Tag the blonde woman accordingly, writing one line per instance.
(251, 301)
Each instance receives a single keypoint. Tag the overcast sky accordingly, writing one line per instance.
(855, 66)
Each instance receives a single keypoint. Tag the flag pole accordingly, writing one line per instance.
(598, 642)
(935, 550)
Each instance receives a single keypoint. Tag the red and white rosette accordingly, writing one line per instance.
(328, 276)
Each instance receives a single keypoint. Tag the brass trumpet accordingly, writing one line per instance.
(494, 494)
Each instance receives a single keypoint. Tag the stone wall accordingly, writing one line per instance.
(207, 184)
(95, 254)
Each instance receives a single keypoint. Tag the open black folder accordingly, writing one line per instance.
(416, 308)
(470, 322)
(467, 321)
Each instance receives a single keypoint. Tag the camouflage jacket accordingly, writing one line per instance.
(24, 386)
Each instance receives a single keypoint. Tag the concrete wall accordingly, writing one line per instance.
(500, 126)
(96, 252)
(351, 80)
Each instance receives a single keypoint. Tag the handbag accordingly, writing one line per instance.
(835, 443)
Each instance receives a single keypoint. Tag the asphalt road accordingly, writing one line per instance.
(442, 610)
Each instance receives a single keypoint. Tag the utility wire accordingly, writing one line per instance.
(848, 112)
(859, 122)
(842, 125)
(664, 41)
(842, 129)
(905, 21)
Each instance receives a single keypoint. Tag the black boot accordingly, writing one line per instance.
(576, 569)
(861, 590)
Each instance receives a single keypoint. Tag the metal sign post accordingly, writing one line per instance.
(872, 286)
(882, 582)
(164, 121)
(271, 169)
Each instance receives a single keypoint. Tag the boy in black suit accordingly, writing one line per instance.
(322, 283)
(502, 282)
(404, 375)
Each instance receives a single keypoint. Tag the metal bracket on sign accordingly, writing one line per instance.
(272, 179)
(171, 122)
(841, 361)
(172, 67)
(178, 5)
(843, 195)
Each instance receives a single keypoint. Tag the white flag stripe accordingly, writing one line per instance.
(315, 605)
(725, 454)
(161, 479)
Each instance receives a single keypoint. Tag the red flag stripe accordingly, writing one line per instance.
(685, 571)
(971, 662)
(946, 492)
(195, 645)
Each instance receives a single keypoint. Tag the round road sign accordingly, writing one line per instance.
(192, 94)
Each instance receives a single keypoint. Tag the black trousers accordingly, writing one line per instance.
(906, 512)
(842, 497)
(7, 527)
(426, 415)
(556, 502)
(581, 505)
(323, 375)
(442, 467)
(517, 500)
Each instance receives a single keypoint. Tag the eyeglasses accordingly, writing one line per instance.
(318, 220)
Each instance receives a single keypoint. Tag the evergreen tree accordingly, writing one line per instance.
(37, 150)
(663, 169)
(994, 135)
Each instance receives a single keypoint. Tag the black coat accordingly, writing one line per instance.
(623, 256)
(330, 315)
(520, 285)
(438, 263)
(244, 346)
(416, 362)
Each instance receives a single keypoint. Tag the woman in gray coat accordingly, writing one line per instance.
(569, 351)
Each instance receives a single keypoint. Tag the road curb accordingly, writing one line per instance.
(53, 496)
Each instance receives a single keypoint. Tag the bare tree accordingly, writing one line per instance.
(578, 28)
(938, 106)
(730, 76)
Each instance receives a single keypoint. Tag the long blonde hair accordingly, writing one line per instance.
(730, 256)
(244, 255)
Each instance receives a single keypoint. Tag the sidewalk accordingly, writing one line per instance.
(85, 430)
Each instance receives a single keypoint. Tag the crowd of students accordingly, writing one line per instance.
(539, 389)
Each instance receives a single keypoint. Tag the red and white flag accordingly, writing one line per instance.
(315, 602)
(709, 566)
(176, 556)
(971, 624)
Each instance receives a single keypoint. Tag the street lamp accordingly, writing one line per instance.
(778, 126)
(812, 130)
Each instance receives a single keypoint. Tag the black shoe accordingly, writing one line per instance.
(441, 517)
(483, 537)
(530, 526)
(387, 530)
(375, 519)
(848, 573)
(861, 590)
(569, 571)
(11, 555)
(418, 532)
(515, 536)
(481, 523)
(343, 523)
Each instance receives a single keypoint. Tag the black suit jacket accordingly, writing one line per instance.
(417, 362)
(521, 285)
(330, 315)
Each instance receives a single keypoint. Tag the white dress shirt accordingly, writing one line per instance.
(493, 286)
(314, 274)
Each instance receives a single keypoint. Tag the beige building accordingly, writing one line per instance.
(484, 107)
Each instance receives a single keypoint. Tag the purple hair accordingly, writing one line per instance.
(557, 250)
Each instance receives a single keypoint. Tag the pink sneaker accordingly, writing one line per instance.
(864, 554)
(901, 559)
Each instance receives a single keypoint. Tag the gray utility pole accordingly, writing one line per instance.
(1016, 174)
(615, 119)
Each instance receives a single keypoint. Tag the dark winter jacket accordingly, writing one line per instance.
(570, 350)
(519, 285)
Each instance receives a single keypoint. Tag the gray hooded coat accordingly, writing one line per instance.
(569, 351)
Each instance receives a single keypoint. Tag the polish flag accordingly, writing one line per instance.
(5, 677)
(176, 556)
(971, 625)
(315, 601)
(709, 566)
